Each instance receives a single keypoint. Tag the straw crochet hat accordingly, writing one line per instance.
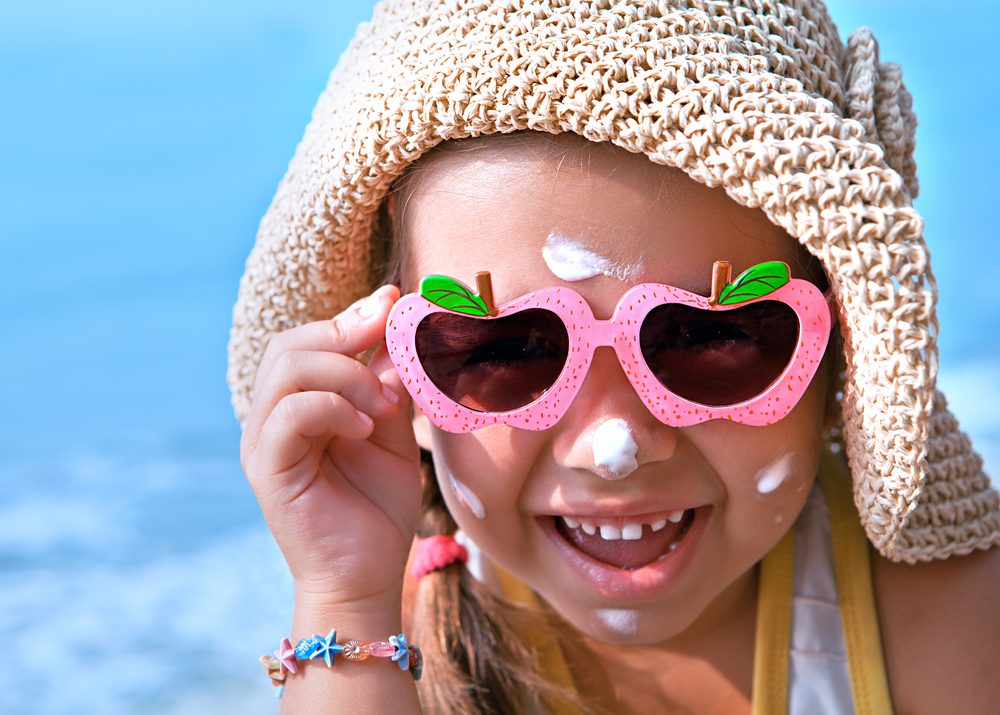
(760, 97)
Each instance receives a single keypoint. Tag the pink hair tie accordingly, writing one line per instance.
(436, 552)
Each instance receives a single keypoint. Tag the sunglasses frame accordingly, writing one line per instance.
(812, 307)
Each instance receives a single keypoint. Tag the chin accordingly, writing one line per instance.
(616, 624)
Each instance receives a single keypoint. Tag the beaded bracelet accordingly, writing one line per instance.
(285, 659)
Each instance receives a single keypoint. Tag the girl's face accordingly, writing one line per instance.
(604, 219)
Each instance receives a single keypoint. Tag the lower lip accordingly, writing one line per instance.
(643, 582)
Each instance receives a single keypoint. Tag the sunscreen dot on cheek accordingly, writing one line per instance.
(467, 496)
(623, 621)
(774, 474)
(460, 490)
(615, 448)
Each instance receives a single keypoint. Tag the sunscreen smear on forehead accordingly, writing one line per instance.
(570, 260)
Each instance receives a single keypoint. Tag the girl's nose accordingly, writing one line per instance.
(607, 430)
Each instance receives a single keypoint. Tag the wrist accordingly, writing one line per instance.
(309, 595)
(367, 618)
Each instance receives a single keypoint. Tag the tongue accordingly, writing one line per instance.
(623, 554)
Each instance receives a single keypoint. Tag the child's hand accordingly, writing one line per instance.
(330, 453)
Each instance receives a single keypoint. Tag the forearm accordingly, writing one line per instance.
(376, 684)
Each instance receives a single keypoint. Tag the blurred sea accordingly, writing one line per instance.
(139, 579)
(139, 146)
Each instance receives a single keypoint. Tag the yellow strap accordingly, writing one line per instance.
(852, 569)
(550, 652)
(773, 629)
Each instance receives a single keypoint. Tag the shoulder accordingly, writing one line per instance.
(940, 624)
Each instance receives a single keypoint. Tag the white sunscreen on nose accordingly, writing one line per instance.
(623, 621)
(615, 448)
(570, 260)
(774, 474)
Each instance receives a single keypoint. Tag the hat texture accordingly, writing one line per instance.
(759, 97)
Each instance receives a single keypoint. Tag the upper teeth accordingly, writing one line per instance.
(631, 531)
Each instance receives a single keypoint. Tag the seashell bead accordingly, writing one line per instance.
(355, 650)
(416, 662)
(306, 647)
(272, 667)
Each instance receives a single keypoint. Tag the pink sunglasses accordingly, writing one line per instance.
(747, 353)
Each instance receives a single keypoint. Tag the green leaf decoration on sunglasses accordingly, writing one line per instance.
(755, 282)
(452, 295)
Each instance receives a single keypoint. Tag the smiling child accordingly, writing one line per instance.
(643, 416)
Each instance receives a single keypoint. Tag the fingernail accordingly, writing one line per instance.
(364, 419)
(370, 306)
(372, 303)
(390, 395)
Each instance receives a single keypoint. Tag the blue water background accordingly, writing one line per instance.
(139, 146)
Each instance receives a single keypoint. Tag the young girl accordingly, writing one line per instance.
(628, 453)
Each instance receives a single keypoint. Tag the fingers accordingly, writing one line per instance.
(394, 431)
(295, 426)
(328, 447)
(352, 331)
(309, 371)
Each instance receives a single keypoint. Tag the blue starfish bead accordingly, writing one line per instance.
(402, 654)
(328, 648)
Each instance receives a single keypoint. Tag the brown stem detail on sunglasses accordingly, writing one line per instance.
(722, 273)
(485, 287)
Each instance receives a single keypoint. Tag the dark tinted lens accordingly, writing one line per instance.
(493, 365)
(719, 357)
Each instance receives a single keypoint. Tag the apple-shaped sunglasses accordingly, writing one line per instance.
(746, 353)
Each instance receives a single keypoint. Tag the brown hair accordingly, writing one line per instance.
(475, 658)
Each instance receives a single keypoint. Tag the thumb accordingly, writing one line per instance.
(395, 432)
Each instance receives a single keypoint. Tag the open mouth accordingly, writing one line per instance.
(623, 543)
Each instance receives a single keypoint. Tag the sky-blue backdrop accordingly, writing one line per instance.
(140, 144)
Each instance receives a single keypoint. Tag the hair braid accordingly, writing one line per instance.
(476, 661)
